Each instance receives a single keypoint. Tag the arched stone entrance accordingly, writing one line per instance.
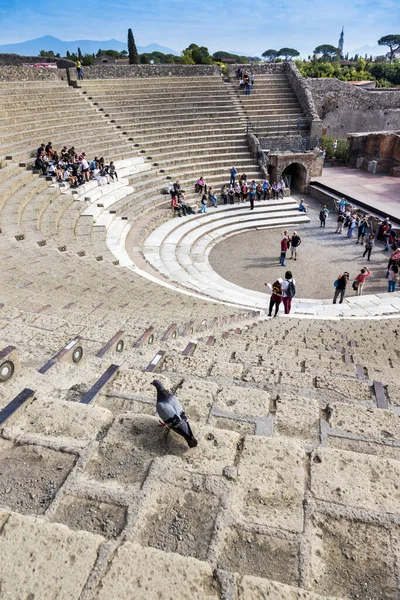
(298, 176)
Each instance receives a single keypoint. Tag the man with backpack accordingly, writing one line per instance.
(288, 291)
(340, 287)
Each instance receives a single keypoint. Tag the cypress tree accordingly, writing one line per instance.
(80, 54)
(132, 50)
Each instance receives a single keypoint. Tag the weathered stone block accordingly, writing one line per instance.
(271, 483)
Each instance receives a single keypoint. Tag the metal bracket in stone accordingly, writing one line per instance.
(380, 395)
(23, 399)
(116, 344)
(72, 353)
(189, 350)
(156, 362)
(9, 363)
(148, 337)
(171, 332)
(100, 384)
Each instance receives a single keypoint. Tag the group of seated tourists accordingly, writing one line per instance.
(178, 203)
(73, 167)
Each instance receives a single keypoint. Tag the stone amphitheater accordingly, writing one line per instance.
(292, 492)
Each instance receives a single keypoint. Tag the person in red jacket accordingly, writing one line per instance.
(284, 248)
(360, 279)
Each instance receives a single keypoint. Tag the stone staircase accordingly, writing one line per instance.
(272, 109)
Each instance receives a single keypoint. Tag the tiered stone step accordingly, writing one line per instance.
(179, 250)
(57, 113)
(159, 114)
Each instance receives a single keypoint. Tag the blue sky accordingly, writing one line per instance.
(249, 26)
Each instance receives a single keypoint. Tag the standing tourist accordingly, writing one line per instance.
(289, 291)
(360, 280)
(231, 194)
(294, 244)
(323, 213)
(284, 248)
(233, 176)
(266, 189)
(276, 297)
(340, 222)
(203, 204)
(393, 278)
(369, 244)
(352, 226)
(340, 285)
(79, 71)
(224, 194)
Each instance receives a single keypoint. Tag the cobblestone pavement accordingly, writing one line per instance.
(250, 259)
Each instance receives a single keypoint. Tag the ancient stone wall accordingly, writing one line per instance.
(18, 73)
(258, 69)
(132, 71)
(377, 152)
(348, 109)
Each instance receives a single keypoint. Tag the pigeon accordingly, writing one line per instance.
(172, 414)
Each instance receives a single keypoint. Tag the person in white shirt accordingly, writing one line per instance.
(289, 291)
(85, 167)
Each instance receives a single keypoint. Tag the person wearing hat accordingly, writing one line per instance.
(276, 296)
(340, 285)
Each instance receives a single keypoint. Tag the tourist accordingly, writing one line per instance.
(323, 213)
(393, 278)
(360, 280)
(251, 75)
(203, 204)
(381, 229)
(284, 248)
(252, 195)
(244, 191)
(280, 186)
(303, 207)
(238, 192)
(187, 210)
(201, 186)
(233, 176)
(259, 191)
(176, 206)
(275, 191)
(231, 194)
(352, 225)
(211, 197)
(294, 244)
(49, 150)
(40, 163)
(79, 71)
(40, 150)
(289, 291)
(177, 187)
(340, 222)
(342, 205)
(224, 194)
(112, 171)
(85, 168)
(266, 189)
(340, 287)
(369, 244)
(276, 296)
(386, 234)
(247, 85)
(243, 179)
(362, 227)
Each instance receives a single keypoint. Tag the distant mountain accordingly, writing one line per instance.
(48, 42)
(368, 50)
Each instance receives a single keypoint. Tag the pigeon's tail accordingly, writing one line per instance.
(192, 442)
(186, 432)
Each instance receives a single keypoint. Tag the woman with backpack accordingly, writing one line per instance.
(288, 291)
(276, 296)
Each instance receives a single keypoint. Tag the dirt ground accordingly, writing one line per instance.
(250, 259)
